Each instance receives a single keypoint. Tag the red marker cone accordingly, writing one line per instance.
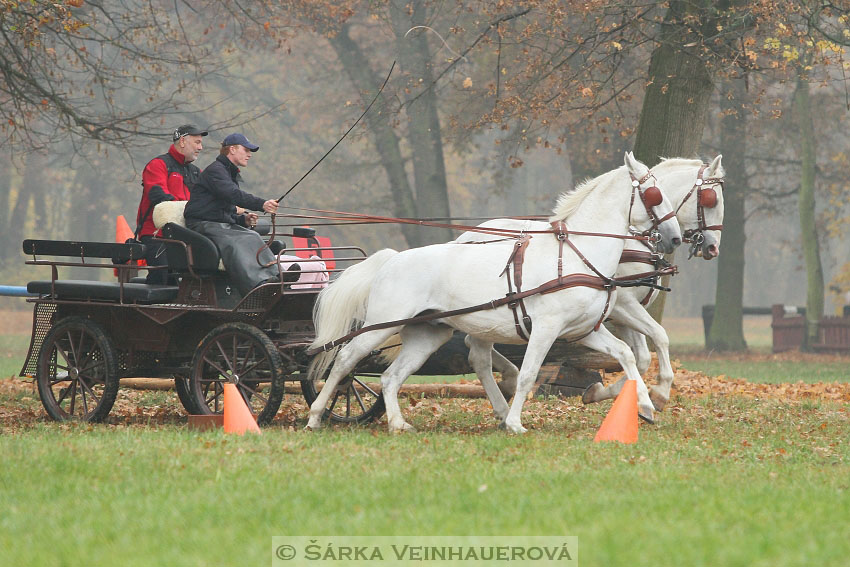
(621, 423)
(237, 417)
(122, 230)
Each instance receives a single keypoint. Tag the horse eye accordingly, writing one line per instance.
(708, 198)
(652, 196)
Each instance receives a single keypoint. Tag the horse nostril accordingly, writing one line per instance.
(677, 241)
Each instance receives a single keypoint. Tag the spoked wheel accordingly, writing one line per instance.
(77, 371)
(184, 394)
(242, 355)
(355, 400)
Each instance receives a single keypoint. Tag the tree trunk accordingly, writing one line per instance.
(806, 204)
(675, 106)
(387, 144)
(424, 133)
(727, 328)
(15, 229)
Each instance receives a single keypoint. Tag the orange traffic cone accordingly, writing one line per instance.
(122, 230)
(237, 417)
(621, 423)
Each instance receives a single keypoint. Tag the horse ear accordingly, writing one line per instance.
(715, 169)
(636, 168)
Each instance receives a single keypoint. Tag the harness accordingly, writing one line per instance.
(660, 266)
(513, 271)
(706, 199)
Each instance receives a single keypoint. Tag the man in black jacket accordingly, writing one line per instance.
(211, 210)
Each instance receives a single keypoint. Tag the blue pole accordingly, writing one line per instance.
(16, 291)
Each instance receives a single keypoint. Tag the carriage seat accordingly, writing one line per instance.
(168, 217)
(92, 289)
(104, 291)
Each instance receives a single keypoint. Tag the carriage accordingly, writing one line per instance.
(88, 334)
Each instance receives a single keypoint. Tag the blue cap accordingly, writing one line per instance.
(240, 140)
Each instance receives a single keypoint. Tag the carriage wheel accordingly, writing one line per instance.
(181, 386)
(242, 355)
(355, 400)
(77, 371)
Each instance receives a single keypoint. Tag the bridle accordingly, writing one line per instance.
(651, 197)
(706, 199)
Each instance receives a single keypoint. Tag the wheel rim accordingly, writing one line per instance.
(76, 374)
(239, 359)
(354, 401)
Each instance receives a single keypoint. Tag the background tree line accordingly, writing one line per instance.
(494, 109)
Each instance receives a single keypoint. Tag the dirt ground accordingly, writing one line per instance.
(15, 322)
(131, 409)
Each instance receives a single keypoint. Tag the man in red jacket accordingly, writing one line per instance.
(169, 177)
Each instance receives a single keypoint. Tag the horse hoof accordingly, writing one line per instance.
(589, 395)
(515, 429)
(659, 402)
(645, 413)
(404, 428)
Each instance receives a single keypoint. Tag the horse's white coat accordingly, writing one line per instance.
(393, 286)
(677, 177)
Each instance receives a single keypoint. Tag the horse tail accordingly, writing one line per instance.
(341, 307)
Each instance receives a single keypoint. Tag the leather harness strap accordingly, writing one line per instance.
(514, 299)
(699, 185)
(517, 258)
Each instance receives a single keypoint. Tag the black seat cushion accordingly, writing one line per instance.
(106, 291)
(205, 256)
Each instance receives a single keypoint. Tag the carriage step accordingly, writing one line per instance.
(564, 380)
(206, 422)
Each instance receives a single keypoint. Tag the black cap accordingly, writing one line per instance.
(187, 130)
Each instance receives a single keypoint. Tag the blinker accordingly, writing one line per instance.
(708, 198)
(652, 196)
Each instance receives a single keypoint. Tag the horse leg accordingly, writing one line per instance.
(603, 341)
(507, 385)
(480, 359)
(347, 358)
(640, 324)
(418, 343)
(596, 392)
(538, 346)
(637, 342)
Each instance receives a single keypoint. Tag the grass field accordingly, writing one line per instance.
(719, 480)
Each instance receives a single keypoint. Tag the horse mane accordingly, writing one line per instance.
(570, 200)
(669, 163)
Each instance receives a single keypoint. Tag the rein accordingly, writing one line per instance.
(377, 219)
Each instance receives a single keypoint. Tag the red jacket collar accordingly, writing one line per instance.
(181, 159)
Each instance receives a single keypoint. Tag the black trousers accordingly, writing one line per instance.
(155, 256)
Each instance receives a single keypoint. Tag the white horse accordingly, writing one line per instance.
(391, 287)
(696, 191)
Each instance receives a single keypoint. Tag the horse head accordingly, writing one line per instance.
(651, 211)
(701, 211)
